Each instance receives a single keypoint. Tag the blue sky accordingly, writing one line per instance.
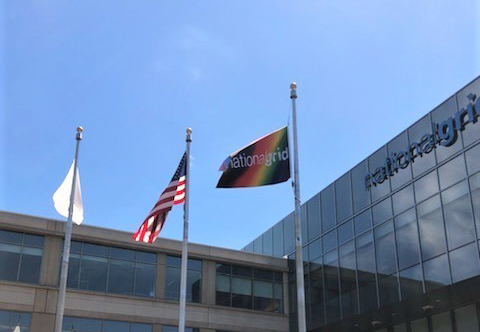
(136, 74)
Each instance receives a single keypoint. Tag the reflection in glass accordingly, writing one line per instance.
(363, 221)
(348, 281)
(442, 322)
(121, 277)
(314, 217)
(315, 249)
(465, 263)
(407, 239)
(432, 233)
(403, 199)
(436, 273)
(288, 234)
(331, 286)
(258, 245)
(330, 240)
(361, 195)
(345, 232)
(366, 271)
(475, 192)
(343, 197)
(385, 249)
(426, 186)
(458, 215)
(328, 208)
(388, 289)
(316, 293)
(466, 318)
(452, 172)
(278, 240)
(419, 325)
(411, 282)
(382, 211)
(268, 242)
(473, 159)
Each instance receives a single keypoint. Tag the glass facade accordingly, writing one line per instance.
(194, 279)
(20, 256)
(73, 324)
(110, 269)
(9, 320)
(402, 223)
(249, 288)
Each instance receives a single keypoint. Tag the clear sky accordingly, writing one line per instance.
(135, 74)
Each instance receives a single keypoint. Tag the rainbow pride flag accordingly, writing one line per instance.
(264, 161)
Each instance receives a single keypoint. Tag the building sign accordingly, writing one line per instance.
(444, 133)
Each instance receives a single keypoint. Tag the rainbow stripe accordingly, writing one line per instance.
(262, 162)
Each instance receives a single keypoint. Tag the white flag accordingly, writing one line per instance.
(17, 328)
(61, 198)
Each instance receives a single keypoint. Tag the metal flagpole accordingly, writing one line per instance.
(183, 274)
(302, 326)
(66, 245)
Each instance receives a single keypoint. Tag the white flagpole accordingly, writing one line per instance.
(302, 326)
(183, 273)
(66, 245)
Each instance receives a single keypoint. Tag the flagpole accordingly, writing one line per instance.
(298, 217)
(66, 244)
(183, 273)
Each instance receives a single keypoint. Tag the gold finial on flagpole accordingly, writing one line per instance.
(79, 133)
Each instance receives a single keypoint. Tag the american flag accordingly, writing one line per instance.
(173, 194)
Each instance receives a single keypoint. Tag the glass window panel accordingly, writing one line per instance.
(408, 246)
(465, 263)
(75, 247)
(452, 172)
(11, 237)
(194, 264)
(263, 274)
(400, 328)
(68, 323)
(382, 211)
(328, 208)
(145, 280)
(122, 253)
(33, 240)
(30, 265)
(466, 318)
(263, 289)
(330, 240)
(397, 145)
(241, 286)
(174, 261)
(345, 232)
(436, 273)
(146, 257)
(172, 283)
(473, 159)
(388, 289)
(73, 271)
(121, 277)
(314, 217)
(343, 197)
(141, 328)
(426, 186)
(194, 280)
(223, 283)
(416, 133)
(316, 292)
(258, 245)
(376, 161)
(224, 268)
(458, 215)
(366, 271)
(403, 199)
(315, 249)
(419, 325)
(440, 114)
(475, 192)
(348, 281)
(268, 242)
(361, 195)
(442, 322)
(432, 233)
(9, 261)
(93, 273)
(332, 300)
(95, 249)
(242, 271)
(385, 249)
(84, 324)
(411, 282)
(114, 326)
(288, 234)
(304, 223)
(278, 240)
(363, 221)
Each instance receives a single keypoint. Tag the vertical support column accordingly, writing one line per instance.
(209, 274)
(51, 259)
(161, 276)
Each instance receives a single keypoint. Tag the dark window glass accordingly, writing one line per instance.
(376, 161)
(95, 249)
(440, 114)
(465, 263)
(72, 324)
(278, 240)
(416, 133)
(345, 232)
(458, 216)
(343, 197)
(473, 159)
(314, 217)
(332, 300)
(115, 326)
(385, 249)
(315, 249)
(258, 245)
(10, 319)
(124, 254)
(248, 247)
(407, 239)
(366, 271)
(76, 247)
(121, 277)
(175, 329)
(403, 199)
(419, 325)
(328, 208)
(330, 240)
(442, 322)
(263, 296)
(432, 232)
(288, 234)
(304, 223)
(146, 257)
(73, 271)
(93, 273)
(475, 192)
(11, 237)
(9, 261)
(242, 271)
(348, 281)
(263, 274)
(30, 265)
(388, 289)
(363, 221)
(33, 240)
(224, 268)
(194, 278)
(400, 145)
(223, 295)
(436, 273)
(426, 186)
(361, 195)
(268, 242)
(316, 293)
(452, 172)
(145, 280)
(411, 282)
(466, 318)
(382, 211)
(241, 293)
